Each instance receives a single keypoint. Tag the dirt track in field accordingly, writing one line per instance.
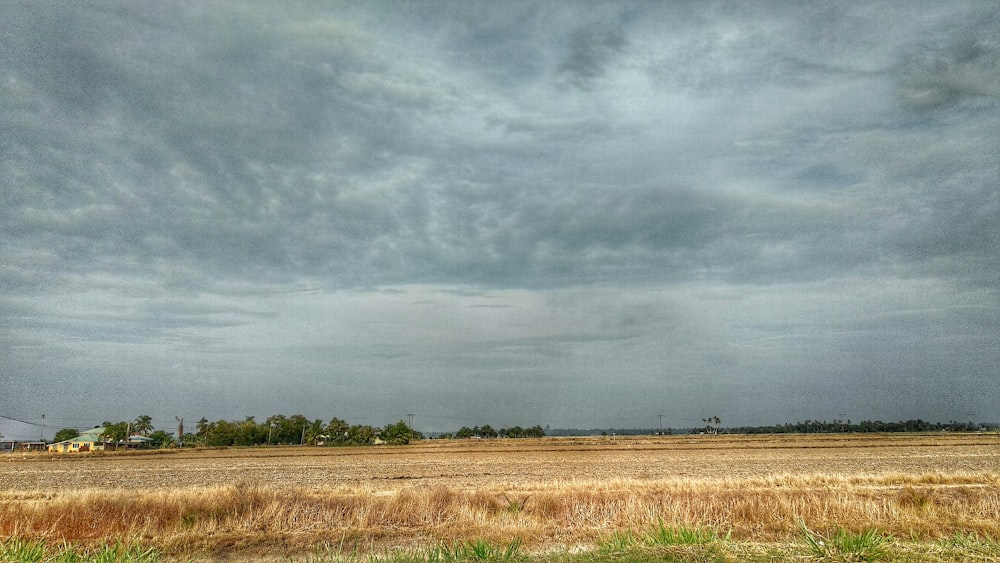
(509, 463)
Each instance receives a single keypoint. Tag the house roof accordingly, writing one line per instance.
(92, 435)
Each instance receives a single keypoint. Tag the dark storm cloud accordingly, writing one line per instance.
(590, 51)
(954, 69)
(200, 124)
(226, 124)
(481, 194)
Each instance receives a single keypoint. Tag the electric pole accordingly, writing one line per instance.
(409, 417)
(661, 423)
(42, 438)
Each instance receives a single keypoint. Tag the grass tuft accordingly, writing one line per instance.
(661, 534)
(15, 549)
(618, 542)
(515, 506)
(475, 550)
(868, 545)
(31, 551)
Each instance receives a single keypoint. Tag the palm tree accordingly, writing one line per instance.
(143, 425)
(313, 431)
(337, 430)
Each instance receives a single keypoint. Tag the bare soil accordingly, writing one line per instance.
(517, 464)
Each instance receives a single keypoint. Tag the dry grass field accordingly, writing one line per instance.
(554, 495)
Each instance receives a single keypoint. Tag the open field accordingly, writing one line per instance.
(554, 495)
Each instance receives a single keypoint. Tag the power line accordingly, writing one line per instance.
(19, 420)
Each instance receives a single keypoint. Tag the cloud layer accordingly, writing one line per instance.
(530, 212)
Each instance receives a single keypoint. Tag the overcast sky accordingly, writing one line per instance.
(515, 213)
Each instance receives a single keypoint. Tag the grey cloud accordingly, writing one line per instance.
(589, 52)
(181, 183)
(212, 135)
(240, 217)
(939, 76)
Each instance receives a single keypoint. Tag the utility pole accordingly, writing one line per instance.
(409, 417)
(661, 423)
(180, 431)
(42, 438)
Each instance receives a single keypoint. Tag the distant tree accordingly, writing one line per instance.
(66, 434)
(285, 429)
(115, 431)
(201, 429)
(360, 435)
(313, 431)
(275, 428)
(205, 432)
(712, 424)
(143, 425)
(515, 432)
(160, 439)
(249, 433)
(338, 431)
(222, 433)
(487, 431)
(397, 434)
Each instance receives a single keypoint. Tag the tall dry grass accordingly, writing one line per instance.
(568, 512)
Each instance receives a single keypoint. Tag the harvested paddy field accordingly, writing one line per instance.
(514, 463)
(560, 495)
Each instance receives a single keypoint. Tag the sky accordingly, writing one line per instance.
(570, 214)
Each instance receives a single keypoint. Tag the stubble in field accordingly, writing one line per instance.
(549, 494)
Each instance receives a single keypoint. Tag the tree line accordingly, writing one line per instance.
(487, 431)
(280, 429)
(817, 426)
(297, 429)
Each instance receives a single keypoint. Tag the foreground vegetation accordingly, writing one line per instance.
(934, 497)
(828, 517)
(657, 543)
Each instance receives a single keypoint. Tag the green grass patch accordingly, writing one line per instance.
(618, 542)
(661, 534)
(22, 550)
(657, 543)
(30, 551)
(476, 550)
(868, 545)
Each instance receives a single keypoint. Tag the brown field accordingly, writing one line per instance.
(554, 494)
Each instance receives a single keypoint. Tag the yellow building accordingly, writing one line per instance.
(88, 441)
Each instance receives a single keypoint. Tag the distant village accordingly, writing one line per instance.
(275, 430)
(92, 440)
